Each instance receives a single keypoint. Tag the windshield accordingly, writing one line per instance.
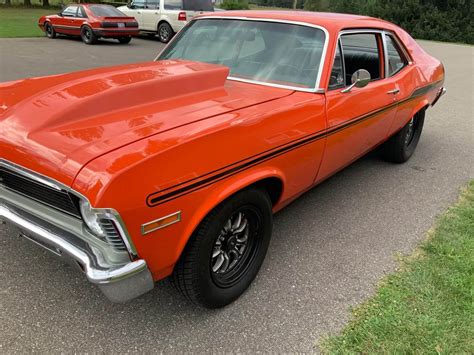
(105, 11)
(267, 52)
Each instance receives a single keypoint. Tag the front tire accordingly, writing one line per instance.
(49, 30)
(124, 40)
(165, 32)
(87, 35)
(225, 253)
(400, 147)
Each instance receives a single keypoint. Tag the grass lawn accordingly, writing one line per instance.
(257, 7)
(427, 306)
(21, 22)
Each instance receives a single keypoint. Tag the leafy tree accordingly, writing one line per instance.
(234, 5)
(442, 20)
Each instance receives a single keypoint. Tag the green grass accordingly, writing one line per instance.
(21, 22)
(426, 307)
(257, 7)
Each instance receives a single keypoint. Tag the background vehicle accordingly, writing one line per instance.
(174, 167)
(90, 21)
(165, 17)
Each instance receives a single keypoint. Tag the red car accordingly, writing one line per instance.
(239, 115)
(90, 21)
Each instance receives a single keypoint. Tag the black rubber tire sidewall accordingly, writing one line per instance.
(395, 150)
(192, 274)
(93, 38)
(170, 31)
(53, 32)
(124, 40)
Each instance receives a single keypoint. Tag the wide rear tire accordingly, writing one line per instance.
(124, 40)
(87, 35)
(400, 147)
(226, 251)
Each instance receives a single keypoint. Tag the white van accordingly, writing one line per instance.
(165, 17)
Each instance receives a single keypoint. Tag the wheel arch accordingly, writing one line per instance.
(161, 22)
(271, 180)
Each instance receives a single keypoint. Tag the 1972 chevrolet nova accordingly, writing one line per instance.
(174, 167)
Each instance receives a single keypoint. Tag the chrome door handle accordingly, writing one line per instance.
(394, 91)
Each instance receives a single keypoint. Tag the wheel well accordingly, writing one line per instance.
(273, 186)
(163, 21)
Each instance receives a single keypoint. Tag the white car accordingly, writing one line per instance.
(165, 17)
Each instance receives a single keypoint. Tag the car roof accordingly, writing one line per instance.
(328, 20)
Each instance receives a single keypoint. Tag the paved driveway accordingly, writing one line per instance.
(329, 248)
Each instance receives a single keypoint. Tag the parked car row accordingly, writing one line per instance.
(93, 21)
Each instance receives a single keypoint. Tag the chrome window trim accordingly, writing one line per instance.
(338, 44)
(316, 89)
(404, 55)
(382, 32)
(109, 213)
(385, 56)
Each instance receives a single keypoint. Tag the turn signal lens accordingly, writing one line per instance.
(161, 223)
(182, 16)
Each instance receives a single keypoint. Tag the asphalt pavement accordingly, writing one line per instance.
(329, 250)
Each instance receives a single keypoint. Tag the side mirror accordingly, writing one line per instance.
(359, 79)
(130, 5)
(60, 14)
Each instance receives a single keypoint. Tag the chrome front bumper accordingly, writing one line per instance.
(120, 282)
(441, 92)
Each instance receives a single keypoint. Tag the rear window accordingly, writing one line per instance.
(105, 11)
(198, 5)
(189, 5)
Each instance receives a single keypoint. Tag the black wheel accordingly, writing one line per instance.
(49, 30)
(226, 251)
(124, 40)
(400, 147)
(87, 35)
(165, 32)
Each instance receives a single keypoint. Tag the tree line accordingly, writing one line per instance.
(440, 20)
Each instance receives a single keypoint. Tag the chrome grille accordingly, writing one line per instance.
(58, 199)
(112, 235)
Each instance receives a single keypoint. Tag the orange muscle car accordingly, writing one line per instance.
(174, 167)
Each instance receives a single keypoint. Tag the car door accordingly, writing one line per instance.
(135, 9)
(360, 118)
(400, 69)
(66, 22)
(151, 15)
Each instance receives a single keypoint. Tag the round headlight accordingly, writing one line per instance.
(91, 219)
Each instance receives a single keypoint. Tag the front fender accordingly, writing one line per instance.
(223, 191)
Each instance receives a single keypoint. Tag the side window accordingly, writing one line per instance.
(361, 51)
(173, 4)
(138, 4)
(152, 4)
(337, 72)
(81, 13)
(70, 11)
(396, 59)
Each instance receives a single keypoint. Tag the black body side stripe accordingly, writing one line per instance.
(212, 177)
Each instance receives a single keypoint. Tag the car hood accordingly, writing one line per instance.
(55, 125)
